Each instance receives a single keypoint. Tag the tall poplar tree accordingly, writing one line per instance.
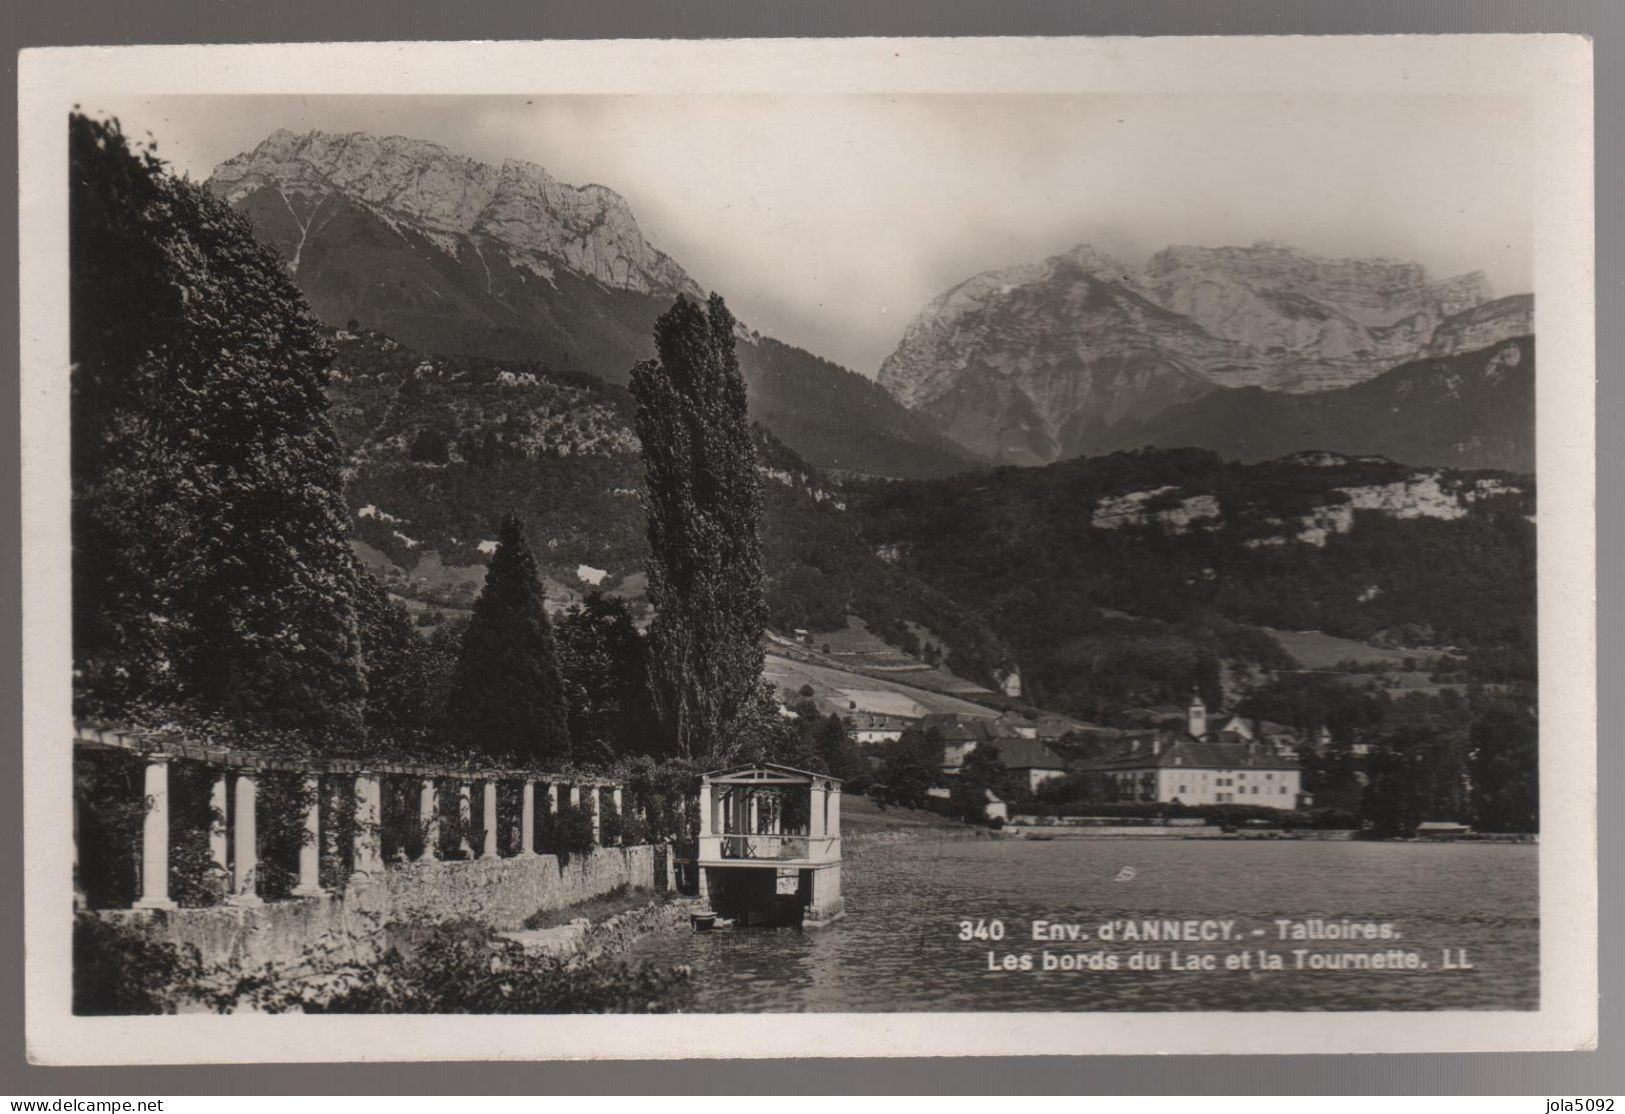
(704, 520)
(508, 697)
(210, 563)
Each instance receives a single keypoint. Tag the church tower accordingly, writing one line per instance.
(1196, 722)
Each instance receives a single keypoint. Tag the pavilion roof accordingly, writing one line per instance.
(756, 773)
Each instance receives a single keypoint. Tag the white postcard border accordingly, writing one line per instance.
(1554, 72)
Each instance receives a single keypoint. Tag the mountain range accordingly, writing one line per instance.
(1252, 351)
(1468, 410)
(1072, 355)
(453, 256)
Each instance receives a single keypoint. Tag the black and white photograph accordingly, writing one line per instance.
(955, 541)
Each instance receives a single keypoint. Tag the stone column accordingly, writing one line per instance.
(488, 842)
(615, 799)
(553, 808)
(155, 836)
(527, 820)
(368, 812)
(429, 821)
(835, 810)
(310, 851)
(465, 817)
(219, 852)
(593, 803)
(245, 847)
(817, 802)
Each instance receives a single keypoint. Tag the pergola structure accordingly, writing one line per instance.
(234, 847)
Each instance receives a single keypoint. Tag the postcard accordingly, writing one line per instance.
(866, 547)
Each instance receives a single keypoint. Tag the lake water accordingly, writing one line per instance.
(899, 946)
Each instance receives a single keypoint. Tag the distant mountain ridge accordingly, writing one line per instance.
(458, 257)
(541, 224)
(1466, 410)
(1045, 361)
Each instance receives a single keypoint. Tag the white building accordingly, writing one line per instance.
(1202, 767)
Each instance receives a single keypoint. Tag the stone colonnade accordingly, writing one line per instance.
(235, 853)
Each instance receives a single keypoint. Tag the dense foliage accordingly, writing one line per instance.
(606, 673)
(704, 505)
(210, 561)
(805, 740)
(119, 970)
(1140, 613)
(910, 768)
(1471, 758)
(455, 968)
(508, 695)
(982, 773)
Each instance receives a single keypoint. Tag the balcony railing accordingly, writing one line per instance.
(770, 848)
(765, 846)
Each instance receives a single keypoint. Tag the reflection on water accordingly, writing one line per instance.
(899, 949)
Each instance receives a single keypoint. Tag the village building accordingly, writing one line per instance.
(1052, 727)
(960, 734)
(1277, 738)
(1202, 766)
(1015, 725)
(875, 727)
(1030, 761)
(1014, 737)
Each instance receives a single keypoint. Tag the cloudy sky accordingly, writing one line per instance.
(829, 221)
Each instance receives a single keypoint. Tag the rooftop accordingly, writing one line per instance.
(1227, 752)
(1027, 754)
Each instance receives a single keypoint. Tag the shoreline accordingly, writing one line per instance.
(583, 941)
(1045, 834)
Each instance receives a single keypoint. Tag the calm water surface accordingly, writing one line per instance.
(898, 947)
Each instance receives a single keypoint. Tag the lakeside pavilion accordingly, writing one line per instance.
(769, 846)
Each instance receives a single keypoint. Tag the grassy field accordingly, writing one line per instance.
(826, 681)
(861, 816)
(1314, 650)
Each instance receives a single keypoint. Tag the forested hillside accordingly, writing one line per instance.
(1124, 578)
(439, 448)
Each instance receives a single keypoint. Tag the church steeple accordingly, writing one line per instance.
(1196, 719)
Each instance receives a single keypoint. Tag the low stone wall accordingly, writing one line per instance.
(499, 893)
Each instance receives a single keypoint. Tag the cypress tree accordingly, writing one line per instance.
(704, 520)
(210, 561)
(606, 673)
(508, 697)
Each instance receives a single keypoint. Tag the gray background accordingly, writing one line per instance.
(80, 22)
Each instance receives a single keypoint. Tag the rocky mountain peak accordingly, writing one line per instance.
(458, 203)
(1092, 261)
(1037, 361)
